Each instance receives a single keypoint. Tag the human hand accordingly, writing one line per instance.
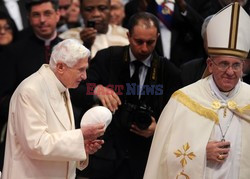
(92, 147)
(218, 151)
(146, 132)
(88, 36)
(92, 131)
(108, 97)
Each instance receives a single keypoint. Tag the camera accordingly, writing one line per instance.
(91, 23)
(140, 115)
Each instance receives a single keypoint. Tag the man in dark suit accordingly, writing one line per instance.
(112, 80)
(27, 55)
(180, 40)
(7, 6)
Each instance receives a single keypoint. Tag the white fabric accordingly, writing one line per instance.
(14, 11)
(180, 126)
(223, 34)
(116, 36)
(41, 141)
(96, 115)
(166, 40)
(231, 166)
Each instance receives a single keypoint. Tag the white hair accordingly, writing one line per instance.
(69, 51)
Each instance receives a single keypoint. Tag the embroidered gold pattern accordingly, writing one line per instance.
(195, 107)
(184, 156)
(216, 105)
(232, 105)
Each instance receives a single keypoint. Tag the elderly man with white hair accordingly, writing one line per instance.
(204, 130)
(42, 141)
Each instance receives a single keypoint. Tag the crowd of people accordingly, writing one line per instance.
(171, 72)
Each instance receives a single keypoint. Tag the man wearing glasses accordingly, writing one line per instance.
(204, 130)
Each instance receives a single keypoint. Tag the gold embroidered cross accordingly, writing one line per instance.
(185, 155)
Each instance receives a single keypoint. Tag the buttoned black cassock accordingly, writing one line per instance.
(111, 67)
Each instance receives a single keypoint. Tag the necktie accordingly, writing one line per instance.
(66, 103)
(135, 79)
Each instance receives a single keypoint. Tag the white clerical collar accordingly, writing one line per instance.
(47, 41)
(146, 62)
(224, 96)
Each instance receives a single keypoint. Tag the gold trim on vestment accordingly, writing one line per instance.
(195, 107)
(185, 155)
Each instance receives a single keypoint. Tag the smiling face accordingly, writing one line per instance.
(98, 11)
(71, 77)
(143, 39)
(225, 78)
(43, 19)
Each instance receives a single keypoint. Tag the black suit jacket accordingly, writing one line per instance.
(186, 40)
(22, 8)
(111, 67)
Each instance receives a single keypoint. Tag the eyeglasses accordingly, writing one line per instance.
(224, 66)
(5, 28)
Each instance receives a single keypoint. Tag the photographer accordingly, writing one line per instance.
(135, 84)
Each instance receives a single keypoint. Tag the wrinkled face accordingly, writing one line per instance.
(72, 76)
(43, 19)
(64, 10)
(226, 71)
(117, 13)
(98, 11)
(6, 35)
(142, 40)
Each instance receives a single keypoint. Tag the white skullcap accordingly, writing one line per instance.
(228, 32)
(95, 115)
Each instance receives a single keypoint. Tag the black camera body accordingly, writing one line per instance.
(140, 115)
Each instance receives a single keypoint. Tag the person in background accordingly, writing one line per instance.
(135, 83)
(69, 15)
(204, 130)
(17, 11)
(117, 12)
(63, 6)
(74, 17)
(194, 70)
(219, 4)
(8, 30)
(42, 141)
(8, 35)
(97, 33)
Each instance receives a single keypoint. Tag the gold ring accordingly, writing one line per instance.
(220, 157)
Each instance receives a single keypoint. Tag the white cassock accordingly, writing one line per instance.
(188, 122)
(42, 142)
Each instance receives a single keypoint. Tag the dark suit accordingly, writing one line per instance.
(125, 153)
(216, 6)
(186, 41)
(23, 11)
(192, 71)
